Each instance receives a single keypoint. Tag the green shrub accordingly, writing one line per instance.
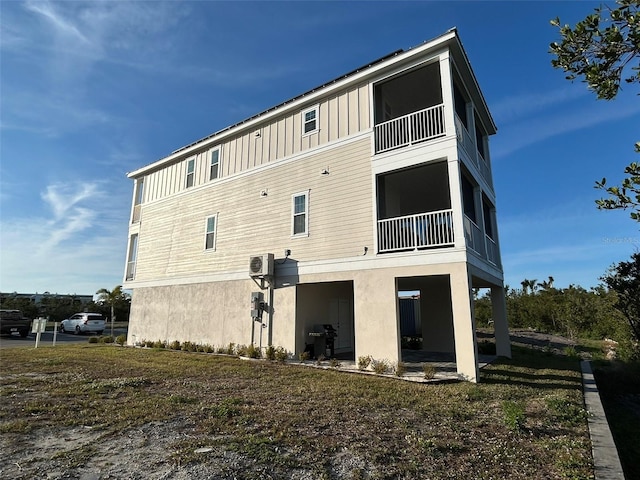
(270, 353)
(231, 349)
(380, 366)
(571, 352)
(188, 346)
(400, 369)
(106, 339)
(93, 340)
(206, 348)
(364, 362)
(303, 356)
(281, 355)
(159, 344)
(429, 371)
(253, 351)
(121, 340)
(335, 363)
(513, 415)
(241, 350)
(175, 345)
(149, 343)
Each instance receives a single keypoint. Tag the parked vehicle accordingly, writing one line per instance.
(13, 321)
(83, 323)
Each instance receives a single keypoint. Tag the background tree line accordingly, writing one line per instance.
(57, 308)
(610, 310)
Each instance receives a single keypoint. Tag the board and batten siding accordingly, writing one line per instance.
(339, 116)
(172, 231)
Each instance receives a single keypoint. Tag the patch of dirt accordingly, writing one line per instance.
(146, 452)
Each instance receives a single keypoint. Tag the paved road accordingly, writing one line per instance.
(46, 339)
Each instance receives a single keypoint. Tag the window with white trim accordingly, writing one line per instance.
(215, 163)
(300, 214)
(133, 256)
(210, 233)
(310, 120)
(191, 167)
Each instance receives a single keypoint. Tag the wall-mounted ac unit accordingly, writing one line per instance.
(261, 265)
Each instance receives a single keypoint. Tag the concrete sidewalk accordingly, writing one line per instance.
(605, 456)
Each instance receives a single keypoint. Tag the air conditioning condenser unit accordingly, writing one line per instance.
(261, 265)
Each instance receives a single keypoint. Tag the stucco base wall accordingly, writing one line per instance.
(216, 313)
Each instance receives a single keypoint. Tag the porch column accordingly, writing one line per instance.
(455, 195)
(464, 325)
(446, 81)
(500, 325)
(376, 325)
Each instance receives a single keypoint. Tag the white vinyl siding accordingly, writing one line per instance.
(343, 114)
(341, 216)
(210, 232)
(300, 214)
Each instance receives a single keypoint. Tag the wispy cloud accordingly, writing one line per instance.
(515, 107)
(74, 246)
(523, 134)
(62, 25)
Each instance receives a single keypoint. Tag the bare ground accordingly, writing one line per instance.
(87, 452)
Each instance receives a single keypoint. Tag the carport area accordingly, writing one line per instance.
(430, 332)
(321, 307)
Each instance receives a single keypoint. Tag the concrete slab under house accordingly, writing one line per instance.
(305, 226)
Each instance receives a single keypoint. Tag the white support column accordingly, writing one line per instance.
(500, 325)
(446, 82)
(464, 325)
(455, 193)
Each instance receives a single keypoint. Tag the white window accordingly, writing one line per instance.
(210, 233)
(300, 214)
(215, 163)
(191, 166)
(139, 191)
(133, 255)
(310, 120)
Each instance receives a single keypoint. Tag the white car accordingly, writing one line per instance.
(83, 323)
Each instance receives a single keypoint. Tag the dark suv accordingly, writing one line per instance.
(12, 321)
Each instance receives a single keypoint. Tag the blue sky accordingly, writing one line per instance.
(93, 90)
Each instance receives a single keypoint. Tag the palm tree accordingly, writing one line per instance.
(111, 298)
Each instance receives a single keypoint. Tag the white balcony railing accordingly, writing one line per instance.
(470, 147)
(473, 236)
(412, 128)
(411, 232)
(492, 250)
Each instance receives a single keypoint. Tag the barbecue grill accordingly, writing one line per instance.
(323, 340)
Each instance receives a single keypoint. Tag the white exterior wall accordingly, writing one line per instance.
(172, 230)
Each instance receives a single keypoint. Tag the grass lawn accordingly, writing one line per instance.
(222, 417)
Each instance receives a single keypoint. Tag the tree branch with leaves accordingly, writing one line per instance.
(602, 50)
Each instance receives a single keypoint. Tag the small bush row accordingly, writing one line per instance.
(382, 367)
(278, 354)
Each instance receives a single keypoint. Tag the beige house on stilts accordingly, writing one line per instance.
(323, 209)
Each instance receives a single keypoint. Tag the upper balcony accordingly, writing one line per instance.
(410, 109)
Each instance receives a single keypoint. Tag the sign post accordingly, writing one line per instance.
(39, 326)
